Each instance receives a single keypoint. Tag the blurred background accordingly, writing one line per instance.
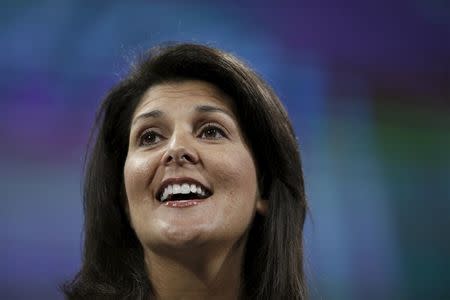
(366, 84)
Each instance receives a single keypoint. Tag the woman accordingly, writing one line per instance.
(194, 187)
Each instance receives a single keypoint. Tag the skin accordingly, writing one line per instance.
(194, 252)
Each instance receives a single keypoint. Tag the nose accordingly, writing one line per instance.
(180, 151)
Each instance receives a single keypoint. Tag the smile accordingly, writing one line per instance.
(179, 191)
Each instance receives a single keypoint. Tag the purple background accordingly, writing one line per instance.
(366, 84)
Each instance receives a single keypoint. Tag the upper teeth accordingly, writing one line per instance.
(184, 188)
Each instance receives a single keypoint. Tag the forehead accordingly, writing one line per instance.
(189, 92)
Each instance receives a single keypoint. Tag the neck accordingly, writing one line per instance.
(209, 274)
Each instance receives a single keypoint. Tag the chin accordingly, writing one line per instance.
(182, 237)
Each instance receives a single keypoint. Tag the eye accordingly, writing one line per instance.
(212, 132)
(149, 137)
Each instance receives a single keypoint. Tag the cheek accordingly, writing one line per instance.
(240, 191)
(236, 176)
(138, 174)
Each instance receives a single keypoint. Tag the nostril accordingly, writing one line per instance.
(180, 156)
(187, 157)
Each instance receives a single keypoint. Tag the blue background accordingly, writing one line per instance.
(366, 84)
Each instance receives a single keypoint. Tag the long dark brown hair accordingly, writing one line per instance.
(113, 261)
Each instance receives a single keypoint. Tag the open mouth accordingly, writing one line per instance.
(182, 191)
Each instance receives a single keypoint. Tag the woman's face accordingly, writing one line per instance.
(190, 178)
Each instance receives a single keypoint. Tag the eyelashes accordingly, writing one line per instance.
(208, 131)
(212, 131)
(149, 137)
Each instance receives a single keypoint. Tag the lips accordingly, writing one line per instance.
(177, 189)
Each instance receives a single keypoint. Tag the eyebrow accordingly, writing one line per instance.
(209, 108)
(150, 114)
(200, 108)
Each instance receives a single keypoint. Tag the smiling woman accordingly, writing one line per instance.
(194, 187)
(194, 140)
